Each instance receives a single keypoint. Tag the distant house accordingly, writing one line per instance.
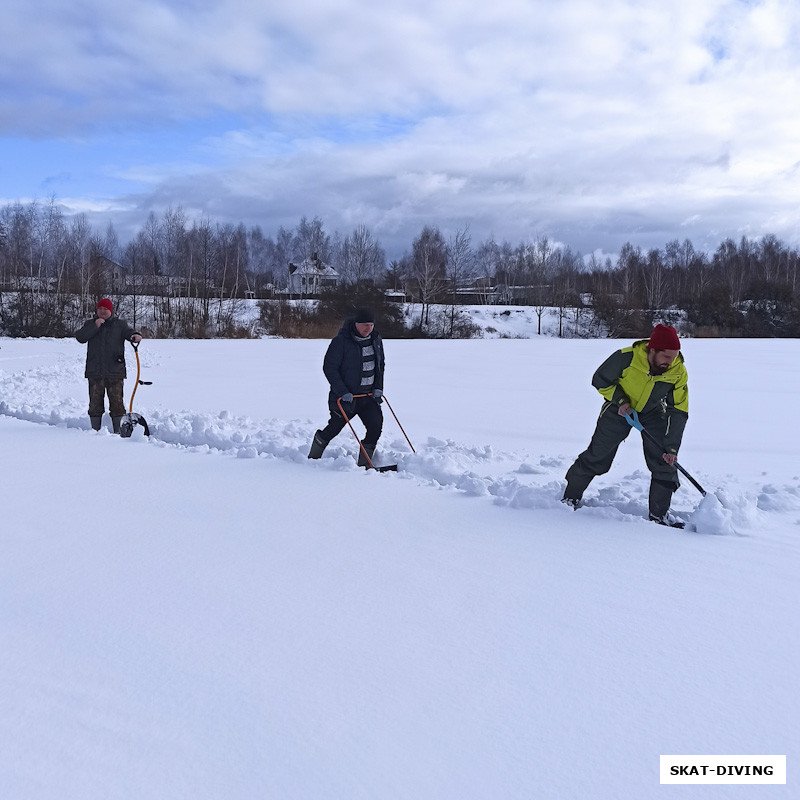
(482, 292)
(108, 272)
(512, 295)
(395, 295)
(311, 277)
(34, 284)
(150, 283)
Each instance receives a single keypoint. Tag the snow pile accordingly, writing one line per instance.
(779, 498)
(723, 514)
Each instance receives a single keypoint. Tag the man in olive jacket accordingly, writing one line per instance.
(650, 378)
(354, 364)
(105, 337)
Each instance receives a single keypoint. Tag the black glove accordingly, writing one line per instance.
(377, 395)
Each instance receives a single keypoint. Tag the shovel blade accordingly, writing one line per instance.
(129, 422)
(388, 468)
(126, 425)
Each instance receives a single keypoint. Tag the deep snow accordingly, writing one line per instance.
(208, 614)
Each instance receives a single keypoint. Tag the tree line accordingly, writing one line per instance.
(184, 276)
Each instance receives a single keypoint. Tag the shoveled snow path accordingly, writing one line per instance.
(518, 479)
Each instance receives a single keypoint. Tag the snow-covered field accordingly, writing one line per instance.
(208, 614)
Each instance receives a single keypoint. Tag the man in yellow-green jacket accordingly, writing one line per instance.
(650, 378)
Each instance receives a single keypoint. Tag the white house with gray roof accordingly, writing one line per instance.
(311, 277)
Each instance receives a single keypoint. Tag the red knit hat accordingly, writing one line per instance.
(106, 303)
(664, 337)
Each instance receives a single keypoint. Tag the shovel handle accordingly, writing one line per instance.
(633, 421)
(138, 382)
(349, 425)
(389, 405)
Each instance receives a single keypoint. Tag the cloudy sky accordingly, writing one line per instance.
(593, 123)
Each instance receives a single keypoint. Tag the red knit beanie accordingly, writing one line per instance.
(106, 303)
(664, 337)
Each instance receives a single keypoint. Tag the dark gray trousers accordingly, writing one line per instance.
(610, 432)
(97, 391)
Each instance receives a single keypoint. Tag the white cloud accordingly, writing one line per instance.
(594, 121)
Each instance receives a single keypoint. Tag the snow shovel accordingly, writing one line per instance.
(633, 421)
(388, 467)
(130, 420)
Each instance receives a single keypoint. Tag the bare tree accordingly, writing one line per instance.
(202, 246)
(772, 256)
(654, 279)
(283, 254)
(565, 271)
(487, 260)
(173, 248)
(540, 262)
(360, 259)
(629, 263)
(260, 259)
(80, 234)
(310, 238)
(428, 268)
(460, 268)
(151, 240)
(731, 263)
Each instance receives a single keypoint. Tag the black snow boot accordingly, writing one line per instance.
(362, 459)
(318, 445)
(660, 497)
(572, 496)
(96, 423)
(115, 421)
(667, 519)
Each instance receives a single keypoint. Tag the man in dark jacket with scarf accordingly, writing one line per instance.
(105, 337)
(650, 378)
(354, 365)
